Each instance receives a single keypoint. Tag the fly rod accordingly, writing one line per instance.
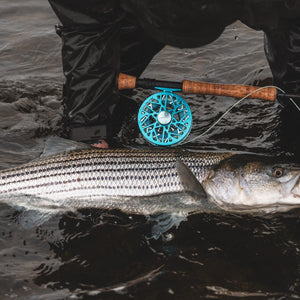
(165, 119)
(204, 88)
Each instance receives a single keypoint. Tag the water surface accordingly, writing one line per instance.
(96, 254)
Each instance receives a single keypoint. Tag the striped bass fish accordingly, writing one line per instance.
(153, 181)
(135, 181)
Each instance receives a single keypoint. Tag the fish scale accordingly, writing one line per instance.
(114, 173)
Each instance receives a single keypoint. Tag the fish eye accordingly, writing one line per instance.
(277, 172)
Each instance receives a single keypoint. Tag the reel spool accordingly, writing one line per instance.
(164, 118)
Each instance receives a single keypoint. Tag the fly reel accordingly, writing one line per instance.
(164, 118)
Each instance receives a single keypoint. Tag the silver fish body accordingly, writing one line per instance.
(131, 180)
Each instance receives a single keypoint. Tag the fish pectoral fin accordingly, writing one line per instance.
(190, 183)
(194, 188)
(162, 222)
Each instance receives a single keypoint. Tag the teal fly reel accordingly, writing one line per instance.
(164, 118)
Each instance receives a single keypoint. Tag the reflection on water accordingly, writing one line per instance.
(107, 255)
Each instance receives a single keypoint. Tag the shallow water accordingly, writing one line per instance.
(96, 254)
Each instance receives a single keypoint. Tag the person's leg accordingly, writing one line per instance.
(137, 50)
(94, 37)
(282, 47)
(91, 58)
(137, 47)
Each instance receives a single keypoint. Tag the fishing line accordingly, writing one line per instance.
(233, 106)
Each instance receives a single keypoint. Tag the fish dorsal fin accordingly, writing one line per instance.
(189, 181)
(58, 145)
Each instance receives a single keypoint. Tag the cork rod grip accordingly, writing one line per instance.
(236, 91)
(126, 82)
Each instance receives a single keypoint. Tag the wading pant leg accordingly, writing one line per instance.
(282, 47)
(137, 49)
(90, 34)
(95, 34)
